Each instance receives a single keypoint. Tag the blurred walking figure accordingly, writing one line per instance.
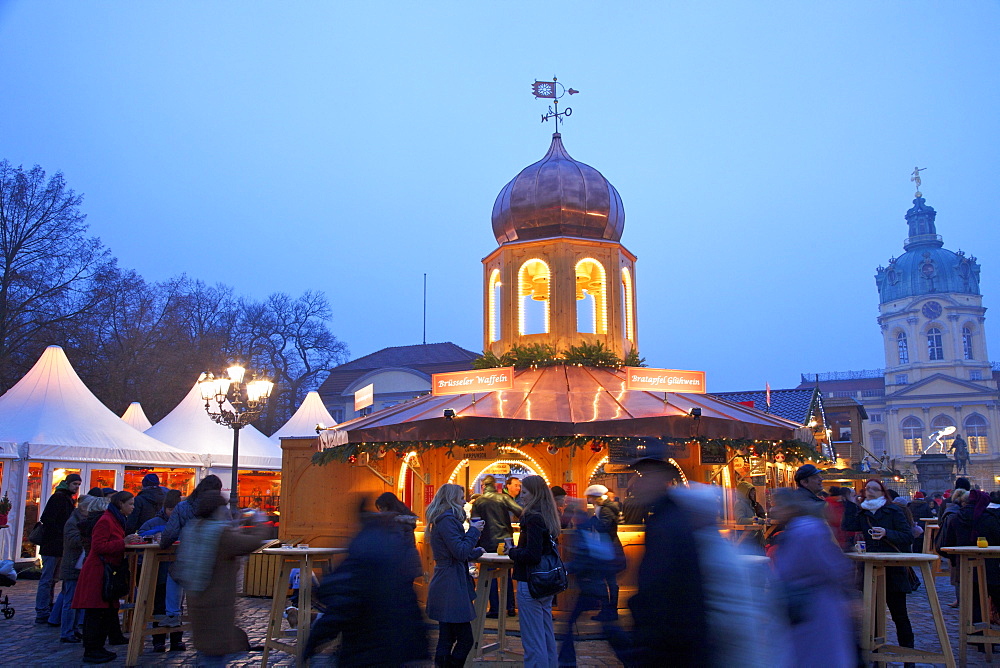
(495, 509)
(207, 565)
(814, 577)
(885, 528)
(539, 528)
(369, 598)
(390, 503)
(605, 522)
(57, 510)
(107, 545)
(452, 591)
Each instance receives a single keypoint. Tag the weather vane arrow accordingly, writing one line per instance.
(553, 90)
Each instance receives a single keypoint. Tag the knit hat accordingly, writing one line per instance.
(963, 483)
(96, 492)
(806, 471)
(151, 480)
(73, 477)
(596, 490)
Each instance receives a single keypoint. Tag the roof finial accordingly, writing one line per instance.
(553, 90)
(915, 177)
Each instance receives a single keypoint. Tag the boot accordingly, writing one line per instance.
(176, 642)
(159, 641)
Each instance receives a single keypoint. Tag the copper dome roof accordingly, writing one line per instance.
(558, 197)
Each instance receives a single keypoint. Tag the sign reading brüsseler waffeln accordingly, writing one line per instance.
(467, 382)
(664, 380)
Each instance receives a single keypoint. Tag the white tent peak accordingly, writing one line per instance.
(135, 416)
(310, 413)
(188, 427)
(59, 418)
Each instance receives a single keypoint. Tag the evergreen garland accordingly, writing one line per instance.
(543, 354)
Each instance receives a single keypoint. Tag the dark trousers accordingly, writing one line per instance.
(160, 608)
(610, 605)
(495, 595)
(454, 643)
(98, 625)
(896, 602)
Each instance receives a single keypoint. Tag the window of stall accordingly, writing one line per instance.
(103, 478)
(59, 474)
(32, 511)
(260, 490)
(171, 478)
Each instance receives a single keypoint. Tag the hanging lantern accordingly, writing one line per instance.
(596, 447)
(551, 449)
(380, 453)
(779, 457)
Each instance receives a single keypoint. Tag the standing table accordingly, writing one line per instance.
(145, 594)
(931, 528)
(874, 648)
(972, 567)
(305, 559)
(492, 566)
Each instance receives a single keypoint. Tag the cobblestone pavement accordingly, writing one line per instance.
(24, 644)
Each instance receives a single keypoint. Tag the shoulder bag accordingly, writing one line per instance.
(117, 580)
(37, 535)
(548, 577)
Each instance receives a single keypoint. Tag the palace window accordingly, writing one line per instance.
(494, 305)
(976, 434)
(902, 349)
(628, 303)
(913, 431)
(591, 297)
(875, 417)
(878, 440)
(902, 378)
(533, 297)
(967, 343)
(975, 374)
(935, 349)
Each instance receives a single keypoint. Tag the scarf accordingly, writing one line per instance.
(872, 505)
(117, 514)
(197, 551)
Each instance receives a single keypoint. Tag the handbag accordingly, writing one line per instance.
(37, 535)
(911, 577)
(548, 577)
(117, 580)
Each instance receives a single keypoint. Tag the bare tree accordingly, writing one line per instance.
(46, 263)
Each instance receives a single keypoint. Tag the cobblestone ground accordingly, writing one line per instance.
(24, 644)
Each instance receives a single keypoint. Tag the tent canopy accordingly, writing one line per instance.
(135, 416)
(52, 413)
(188, 427)
(312, 412)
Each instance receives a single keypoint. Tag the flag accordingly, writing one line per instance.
(767, 394)
(544, 89)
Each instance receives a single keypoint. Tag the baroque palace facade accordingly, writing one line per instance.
(937, 371)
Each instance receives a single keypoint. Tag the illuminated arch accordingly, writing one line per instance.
(591, 280)
(509, 449)
(493, 298)
(533, 282)
(600, 463)
(628, 303)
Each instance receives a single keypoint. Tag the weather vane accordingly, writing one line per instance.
(915, 177)
(553, 90)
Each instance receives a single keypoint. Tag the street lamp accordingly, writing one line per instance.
(236, 404)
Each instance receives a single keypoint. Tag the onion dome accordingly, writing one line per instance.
(558, 197)
(926, 267)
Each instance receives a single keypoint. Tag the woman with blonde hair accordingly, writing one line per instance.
(451, 592)
(539, 530)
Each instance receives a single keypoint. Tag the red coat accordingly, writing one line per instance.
(108, 541)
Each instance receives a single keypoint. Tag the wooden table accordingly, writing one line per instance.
(145, 595)
(874, 648)
(972, 568)
(305, 559)
(492, 566)
(931, 528)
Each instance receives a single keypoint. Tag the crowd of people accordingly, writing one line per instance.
(699, 601)
(82, 542)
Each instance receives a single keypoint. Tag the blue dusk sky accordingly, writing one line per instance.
(762, 150)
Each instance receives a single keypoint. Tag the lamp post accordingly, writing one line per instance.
(234, 404)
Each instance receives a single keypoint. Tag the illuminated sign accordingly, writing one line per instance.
(467, 382)
(364, 397)
(664, 380)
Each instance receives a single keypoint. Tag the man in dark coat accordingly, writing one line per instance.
(495, 509)
(57, 510)
(148, 502)
(369, 599)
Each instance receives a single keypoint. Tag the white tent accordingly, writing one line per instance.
(188, 427)
(312, 412)
(135, 416)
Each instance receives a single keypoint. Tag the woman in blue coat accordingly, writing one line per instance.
(451, 592)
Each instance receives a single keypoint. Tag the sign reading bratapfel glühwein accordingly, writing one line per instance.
(468, 382)
(664, 380)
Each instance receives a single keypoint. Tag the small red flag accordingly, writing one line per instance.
(544, 89)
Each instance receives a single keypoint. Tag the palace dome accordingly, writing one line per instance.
(926, 267)
(558, 197)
